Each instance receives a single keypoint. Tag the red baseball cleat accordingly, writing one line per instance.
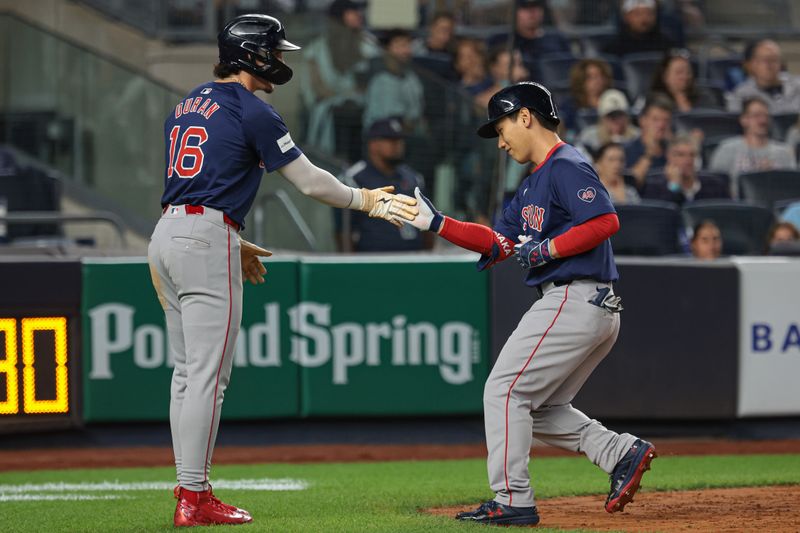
(232, 508)
(204, 509)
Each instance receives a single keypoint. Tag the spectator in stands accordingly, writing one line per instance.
(639, 31)
(570, 13)
(499, 67)
(781, 232)
(674, 79)
(763, 63)
(588, 80)
(609, 163)
(383, 165)
(614, 124)
(706, 243)
(754, 150)
(530, 37)
(333, 94)
(395, 90)
(471, 65)
(690, 13)
(647, 153)
(440, 40)
(679, 182)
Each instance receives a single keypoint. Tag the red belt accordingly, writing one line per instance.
(199, 210)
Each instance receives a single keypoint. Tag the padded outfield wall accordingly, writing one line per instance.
(322, 337)
(84, 341)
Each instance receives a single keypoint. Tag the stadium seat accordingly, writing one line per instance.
(617, 72)
(714, 90)
(767, 187)
(585, 118)
(715, 175)
(658, 175)
(785, 248)
(712, 123)
(554, 70)
(650, 228)
(781, 123)
(709, 145)
(781, 205)
(441, 65)
(725, 72)
(639, 70)
(31, 190)
(744, 226)
(592, 44)
(560, 95)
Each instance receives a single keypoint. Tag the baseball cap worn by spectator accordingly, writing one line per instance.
(612, 101)
(530, 3)
(388, 128)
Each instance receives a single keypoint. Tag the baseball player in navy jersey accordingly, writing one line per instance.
(219, 141)
(558, 224)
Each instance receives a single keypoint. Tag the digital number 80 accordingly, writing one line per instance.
(8, 366)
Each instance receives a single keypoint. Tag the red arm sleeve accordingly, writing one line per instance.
(586, 236)
(494, 246)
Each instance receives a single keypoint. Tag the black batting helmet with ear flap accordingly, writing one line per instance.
(249, 39)
(528, 94)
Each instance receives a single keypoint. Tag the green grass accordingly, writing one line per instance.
(368, 497)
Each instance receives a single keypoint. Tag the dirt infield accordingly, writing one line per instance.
(767, 509)
(58, 458)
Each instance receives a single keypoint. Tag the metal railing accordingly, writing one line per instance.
(296, 217)
(42, 217)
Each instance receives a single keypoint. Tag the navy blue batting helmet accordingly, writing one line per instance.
(528, 94)
(249, 39)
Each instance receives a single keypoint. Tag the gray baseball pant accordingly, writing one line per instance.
(542, 366)
(196, 270)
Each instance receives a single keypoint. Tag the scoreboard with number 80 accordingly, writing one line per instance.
(36, 374)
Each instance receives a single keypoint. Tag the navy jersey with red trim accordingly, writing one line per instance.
(563, 191)
(219, 141)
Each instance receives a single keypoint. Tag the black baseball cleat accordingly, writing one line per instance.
(627, 475)
(494, 513)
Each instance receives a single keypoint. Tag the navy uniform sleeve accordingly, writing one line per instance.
(265, 130)
(510, 221)
(578, 190)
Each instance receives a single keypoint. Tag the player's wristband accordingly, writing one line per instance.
(357, 200)
(533, 254)
(437, 222)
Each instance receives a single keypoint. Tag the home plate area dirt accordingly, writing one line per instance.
(762, 509)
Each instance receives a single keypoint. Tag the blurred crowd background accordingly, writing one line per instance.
(687, 108)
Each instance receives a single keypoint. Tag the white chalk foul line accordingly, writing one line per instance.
(54, 497)
(264, 484)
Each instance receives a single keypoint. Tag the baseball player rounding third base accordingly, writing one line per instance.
(219, 140)
(558, 223)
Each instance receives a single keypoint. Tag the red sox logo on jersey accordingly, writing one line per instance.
(533, 216)
(587, 195)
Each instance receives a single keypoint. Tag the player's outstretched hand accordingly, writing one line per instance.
(381, 203)
(429, 218)
(253, 270)
(531, 254)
